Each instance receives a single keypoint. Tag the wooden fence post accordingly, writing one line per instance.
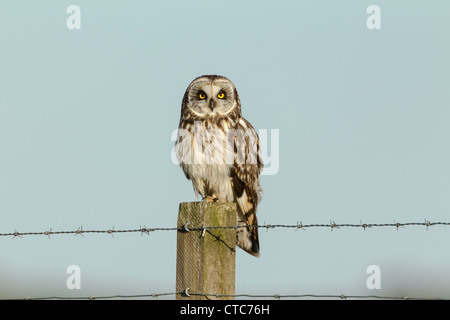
(206, 260)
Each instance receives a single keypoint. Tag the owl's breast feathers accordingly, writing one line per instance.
(222, 157)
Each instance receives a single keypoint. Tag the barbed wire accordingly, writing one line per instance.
(186, 228)
(186, 293)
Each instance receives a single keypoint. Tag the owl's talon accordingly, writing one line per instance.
(211, 199)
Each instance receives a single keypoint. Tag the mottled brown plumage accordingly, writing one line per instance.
(219, 151)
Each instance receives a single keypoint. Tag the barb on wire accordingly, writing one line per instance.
(364, 225)
(16, 234)
(267, 226)
(79, 231)
(145, 230)
(299, 225)
(203, 230)
(47, 233)
(111, 231)
(398, 225)
(333, 225)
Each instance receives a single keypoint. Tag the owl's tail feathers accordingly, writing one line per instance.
(247, 239)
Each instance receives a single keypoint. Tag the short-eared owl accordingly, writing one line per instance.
(219, 151)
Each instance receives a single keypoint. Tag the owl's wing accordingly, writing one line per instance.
(247, 191)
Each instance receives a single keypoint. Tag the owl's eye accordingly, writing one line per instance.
(201, 95)
(221, 95)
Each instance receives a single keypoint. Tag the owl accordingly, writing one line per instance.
(218, 150)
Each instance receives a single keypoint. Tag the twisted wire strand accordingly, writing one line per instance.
(332, 225)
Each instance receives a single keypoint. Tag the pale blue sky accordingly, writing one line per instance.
(86, 118)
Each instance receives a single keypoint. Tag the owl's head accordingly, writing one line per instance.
(211, 95)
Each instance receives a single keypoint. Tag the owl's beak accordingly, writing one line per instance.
(211, 104)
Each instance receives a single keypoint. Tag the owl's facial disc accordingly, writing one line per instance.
(208, 98)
